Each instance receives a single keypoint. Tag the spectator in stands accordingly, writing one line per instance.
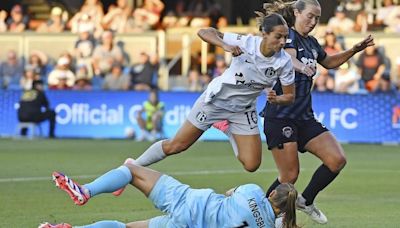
(11, 70)
(3, 24)
(325, 78)
(106, 54)
(148, 16)
(353, 8)
(143, 73)
(388, 16)
(38, 60)
(18, 22)
(84, 47)
(149, 118)
(30, 108)
(31, 74)
(371, 67)
(55, 24)
(62, 82)
(90, 14)
(340, 24)
(220, 66)
(116, 79)
(346, 79)
(61, 77)
(117, 17)
(176, 16)
(82, 81)
(356, 10)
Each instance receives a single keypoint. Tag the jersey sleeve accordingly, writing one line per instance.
(237, 40)
(321, 52)
(290, 41)
(287, 75)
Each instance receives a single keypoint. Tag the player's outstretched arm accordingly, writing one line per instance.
(333, 61)
(215, 37)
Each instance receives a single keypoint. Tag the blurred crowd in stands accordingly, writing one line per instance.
(98, 63)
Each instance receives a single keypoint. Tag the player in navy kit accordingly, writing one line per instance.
(294, 128)
(243, 206)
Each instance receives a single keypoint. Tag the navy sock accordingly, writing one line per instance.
(322, 177)
(272, 187)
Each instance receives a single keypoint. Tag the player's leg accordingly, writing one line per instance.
(142, 178)
(326, 148)
(184, 138)
(197, 122)
(316, 139)
(244, 136)
(281, 139)
(99, 224)
(249, 151)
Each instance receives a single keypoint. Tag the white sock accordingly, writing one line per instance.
(233, 142)
(152, 155)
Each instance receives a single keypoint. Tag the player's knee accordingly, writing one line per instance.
(338, 164)
(251, 166)
(174, 147)
(289, 177)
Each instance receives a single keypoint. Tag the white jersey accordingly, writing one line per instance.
(249, 73)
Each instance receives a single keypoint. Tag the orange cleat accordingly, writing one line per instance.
(61, 225)
(73, 189)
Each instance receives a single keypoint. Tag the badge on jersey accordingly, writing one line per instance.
(270, 72)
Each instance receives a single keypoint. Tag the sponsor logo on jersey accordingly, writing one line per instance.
(239, 37)
(314, 53)
(287, 132)
(301, 49)
(239, 78)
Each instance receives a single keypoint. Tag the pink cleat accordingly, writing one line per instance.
(61, 225)
(222, 125)
(73, 189)
(121, 190)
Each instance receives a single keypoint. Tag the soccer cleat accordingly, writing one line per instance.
(121, 190)
(311, 210)
(61, 225)
(73, 189)
(222, 125)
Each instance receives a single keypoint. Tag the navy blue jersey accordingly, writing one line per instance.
(309, 51)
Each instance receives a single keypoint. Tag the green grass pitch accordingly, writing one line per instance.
(366, 193)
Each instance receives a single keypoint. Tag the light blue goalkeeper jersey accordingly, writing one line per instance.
(203, 208)
(247, 207)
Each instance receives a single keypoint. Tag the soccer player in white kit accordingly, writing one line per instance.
(258, 63)
(244, 206)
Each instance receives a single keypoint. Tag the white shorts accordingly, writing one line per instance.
(204, 115)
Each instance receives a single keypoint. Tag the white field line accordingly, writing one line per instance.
(183, 173)
(173, 173)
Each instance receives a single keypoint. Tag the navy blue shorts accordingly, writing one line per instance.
(280, 131)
